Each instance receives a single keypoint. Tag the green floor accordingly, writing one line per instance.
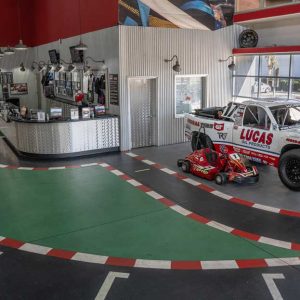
(91, 210)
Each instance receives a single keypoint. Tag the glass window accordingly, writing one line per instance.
(286, 116)
(296, 89)
(246, 87)
(256, 117)
(275, 65)
(295, 66)
(189, 92)
(274, 88)
(247, 65)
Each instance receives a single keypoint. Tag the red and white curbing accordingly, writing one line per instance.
(164, 264)
(186, 213)
(12, 167)
(149, 264)
(219, 194)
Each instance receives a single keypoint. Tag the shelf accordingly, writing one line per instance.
(268, 14)
(266, 50)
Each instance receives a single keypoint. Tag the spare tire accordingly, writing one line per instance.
(201, 141)
(289, 169)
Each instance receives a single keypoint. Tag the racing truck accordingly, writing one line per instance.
(264, 131)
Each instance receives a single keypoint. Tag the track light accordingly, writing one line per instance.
(231, 66)
(22, 68)
(58, 68)
(71, 68)
(9, 51)
(21, 46)
(176, 67)
(81, 46)
(39, 66)
(88, 67)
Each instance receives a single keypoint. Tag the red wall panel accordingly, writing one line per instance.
(8, 24)
(49, 20)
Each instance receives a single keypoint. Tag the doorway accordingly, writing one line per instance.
(142, 95)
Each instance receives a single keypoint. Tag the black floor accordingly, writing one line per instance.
(29, 276)
(268, 191)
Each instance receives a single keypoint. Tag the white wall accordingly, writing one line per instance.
(281, 33)
(142, 53)
(102, 45)
(12, 63)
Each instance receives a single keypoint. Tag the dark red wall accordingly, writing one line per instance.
(49, 20)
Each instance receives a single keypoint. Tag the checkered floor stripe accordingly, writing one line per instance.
(164, 264)
(285, 212)
(20, 168)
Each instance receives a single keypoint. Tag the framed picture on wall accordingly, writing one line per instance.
(77, 56)
(18, 89)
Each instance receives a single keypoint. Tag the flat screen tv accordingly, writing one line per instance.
(54, 56)
(77, 56)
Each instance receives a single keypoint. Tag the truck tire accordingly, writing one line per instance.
(202, 142)
(289, 169)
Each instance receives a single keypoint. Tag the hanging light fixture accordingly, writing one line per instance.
(231, 66)
(20, 46)
(176, 67)
(81, 46)
(22, 68)
(9, 51)
(88, 67)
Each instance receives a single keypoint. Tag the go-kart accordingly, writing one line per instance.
(221, 167)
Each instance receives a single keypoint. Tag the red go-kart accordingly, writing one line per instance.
(209, 164)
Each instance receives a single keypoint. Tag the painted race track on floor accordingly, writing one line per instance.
(122, 213)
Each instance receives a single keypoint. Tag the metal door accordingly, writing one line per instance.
(141, 111)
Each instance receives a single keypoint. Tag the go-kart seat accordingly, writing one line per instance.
(211, 156)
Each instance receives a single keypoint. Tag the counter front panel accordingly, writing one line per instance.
(64, 138)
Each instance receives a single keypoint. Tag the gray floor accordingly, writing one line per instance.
(268, 191)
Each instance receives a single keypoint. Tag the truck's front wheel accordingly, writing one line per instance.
(289, 169)
(203, 141)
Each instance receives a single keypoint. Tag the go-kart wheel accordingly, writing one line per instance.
(221, 178)
(289, 169)
(179, 163)
(186, 166)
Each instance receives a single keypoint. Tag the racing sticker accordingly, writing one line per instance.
(256, 138)
(222, 136)
(203, 170)
(293, 141)
(198, 123)
(219, 127)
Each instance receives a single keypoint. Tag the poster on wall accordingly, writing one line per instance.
(114, 89)
(204, 14)
(18, 89)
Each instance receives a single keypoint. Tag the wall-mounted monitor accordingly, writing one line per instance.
(77, 56)
(54, 56)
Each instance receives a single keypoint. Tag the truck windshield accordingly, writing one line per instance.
(286, 116)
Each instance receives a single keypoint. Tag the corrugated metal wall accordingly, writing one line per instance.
(142, 53)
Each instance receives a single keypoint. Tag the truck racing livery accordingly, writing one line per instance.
(264, 131)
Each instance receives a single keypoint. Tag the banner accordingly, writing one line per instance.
(195, 14)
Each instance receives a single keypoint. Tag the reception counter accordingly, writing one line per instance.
(61, 139)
